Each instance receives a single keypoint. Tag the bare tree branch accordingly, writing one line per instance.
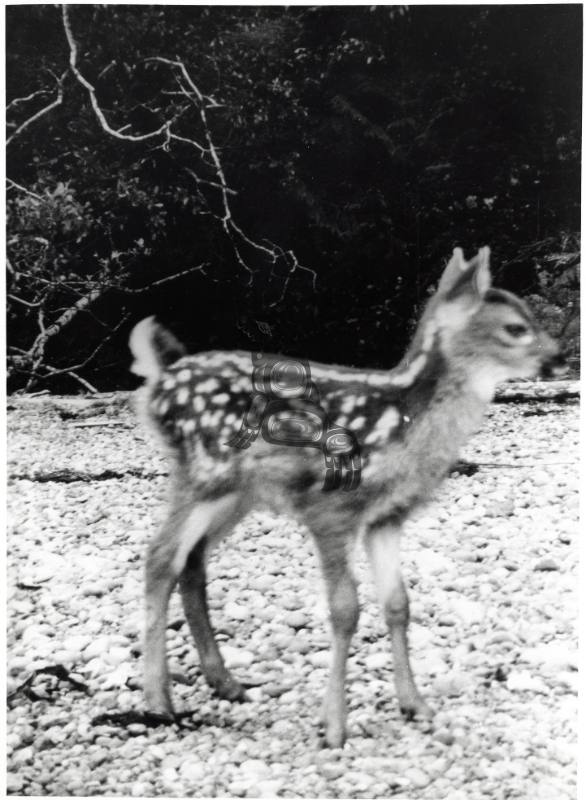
(31, 96)
(198, 268)
(92, 92)
(41, 113)
(23, 302)
(14, 185)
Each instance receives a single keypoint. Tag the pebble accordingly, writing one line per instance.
(236, 611)
(192, 770)
(375, 661)
(14, 783)
(236, 657)
(296, 619)
(417, 777)
(269, 788)
(469, 611)
(453, 684)
(522, 681)
(546, 565)
(321, 658)
(445, 737)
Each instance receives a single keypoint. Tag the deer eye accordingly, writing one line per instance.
(516, 330)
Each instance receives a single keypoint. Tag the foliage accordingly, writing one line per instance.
(357, 146)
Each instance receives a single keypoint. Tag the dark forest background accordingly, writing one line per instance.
(287, 179)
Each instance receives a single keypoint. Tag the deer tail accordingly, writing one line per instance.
(154, 348)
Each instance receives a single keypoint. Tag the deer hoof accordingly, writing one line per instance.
(229, 689)
(417, 709)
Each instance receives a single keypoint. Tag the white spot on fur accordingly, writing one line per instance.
(221, 399)
(164, 406)
(208, 386)
(376, 379)
(182, 396)
(348, 404)
(429, 335)
(215, 419)
(230, 420)
(387, 422)
(406, 378)
(360, 401)
(198, 404)
(169, 383)
(184, 375)
(189, 425)
(357, 423)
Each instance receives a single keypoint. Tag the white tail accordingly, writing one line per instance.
(347, 450)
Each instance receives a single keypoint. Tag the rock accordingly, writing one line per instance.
(137, 729)
(263, 583)
(445, 737)
(141, 789)
(332, 771)
(523, 681)
(238, 788)
(282, 727)
(466, 502)
(14, 783)
(236, 611)
(375, 661)
(417, 777)
(541, 478)
(546, 565)
(500, 508)
(469, 611)
(116, 655)
(431, 563)
(23, 756)
(296, 620)
(275, 689)
(254, 767)
(552, 656)
(94, 589)
(235, 657)
(193, 771)
(269, 788)
(453, 684)
(321, 658)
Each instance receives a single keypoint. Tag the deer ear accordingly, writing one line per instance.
(461, 277)
(482, 271)
(452, 274)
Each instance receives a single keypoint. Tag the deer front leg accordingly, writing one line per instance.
(383, 544)
(344, 612)
(192, 585)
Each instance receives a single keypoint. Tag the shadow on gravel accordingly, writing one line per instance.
(186, 720)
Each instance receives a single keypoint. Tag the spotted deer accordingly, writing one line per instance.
(410, 422)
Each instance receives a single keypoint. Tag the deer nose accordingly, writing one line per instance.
(554, 366)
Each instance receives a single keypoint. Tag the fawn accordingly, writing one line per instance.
(410, 424)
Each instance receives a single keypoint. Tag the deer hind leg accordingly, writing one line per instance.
(192, 584)
(187, 524)
(383, 548)
(344, 612)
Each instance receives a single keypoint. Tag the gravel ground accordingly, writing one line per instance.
(492, 570)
